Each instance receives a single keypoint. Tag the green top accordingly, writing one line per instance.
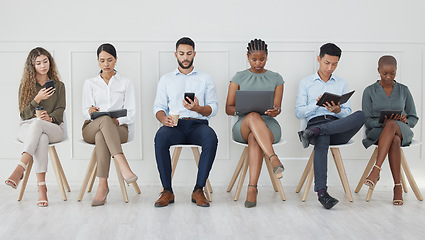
(375, 99)
(250, 81)
(54, 105)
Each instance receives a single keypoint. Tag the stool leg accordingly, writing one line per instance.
(62, 173)
(369, 194)
(270, 170)
(25, 180)
(175, 159)
(275, 181)
(241, 179)
(306, 172)
(86, 179)
(238, 169)
(121, 181)
(308, 184)
(341, 171)
(54, 159)
(367, 170)
(135, 185)
(403, 180)
(92, 177)
(410, 178)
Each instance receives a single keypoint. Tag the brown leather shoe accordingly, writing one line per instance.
(165, 198)
(198, 197)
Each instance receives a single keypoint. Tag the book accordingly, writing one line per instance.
(113, 114)
(388, 113)
(329, 97)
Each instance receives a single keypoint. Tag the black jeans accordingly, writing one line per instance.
(333, 131)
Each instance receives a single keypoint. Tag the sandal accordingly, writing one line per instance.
(12, 183)
(398, 202)
(277, 170)
(369, 182)
(42, 203)
(251, 204)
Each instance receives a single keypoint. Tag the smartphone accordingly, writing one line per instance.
(49, 84)
(191, 95)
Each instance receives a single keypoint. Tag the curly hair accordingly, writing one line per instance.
(29, 77)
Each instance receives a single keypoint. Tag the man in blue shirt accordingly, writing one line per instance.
(329, 124)
(191, 127)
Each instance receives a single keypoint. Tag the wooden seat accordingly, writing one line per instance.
(90, 175)
(404, 166)
(309, 169)
(56, 165)
(242, 168)
(196, 154)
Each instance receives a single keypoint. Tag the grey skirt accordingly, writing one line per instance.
(271, 123)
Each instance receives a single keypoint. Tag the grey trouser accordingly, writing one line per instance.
(332, 132)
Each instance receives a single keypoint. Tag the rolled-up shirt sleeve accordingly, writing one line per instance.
(161, 99)
(303, 107)
(211, 96)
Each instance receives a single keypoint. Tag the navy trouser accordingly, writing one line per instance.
(333, 131)
(195, 132)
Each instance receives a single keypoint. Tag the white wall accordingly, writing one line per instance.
(144, 33)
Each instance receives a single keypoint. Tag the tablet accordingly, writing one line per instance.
(388, 114)
(253, 101)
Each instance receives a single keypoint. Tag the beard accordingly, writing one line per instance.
(185, 67)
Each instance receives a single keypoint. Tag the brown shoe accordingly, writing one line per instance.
(198, 197)
(165, 198)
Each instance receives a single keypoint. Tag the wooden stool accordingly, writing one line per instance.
(59, 173)
(90, 177)
(309, 172)
(196, 154)
(242, 167)
(404, 166)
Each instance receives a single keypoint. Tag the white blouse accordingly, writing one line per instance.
(118, 94)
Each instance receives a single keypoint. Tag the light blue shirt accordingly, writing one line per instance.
(173, 85)
(311, 88)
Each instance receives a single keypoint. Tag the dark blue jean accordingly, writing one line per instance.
(195, 132)
(332, 132)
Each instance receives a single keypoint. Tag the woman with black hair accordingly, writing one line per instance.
(260, 131)
(108, 91)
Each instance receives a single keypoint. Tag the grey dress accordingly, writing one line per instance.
(250, 81)
(375, 99)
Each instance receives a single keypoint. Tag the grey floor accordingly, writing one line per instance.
(225, 219)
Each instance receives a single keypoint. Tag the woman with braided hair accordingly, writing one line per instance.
(260, 131)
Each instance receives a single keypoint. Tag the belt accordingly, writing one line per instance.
(326, 117)
(188, 118)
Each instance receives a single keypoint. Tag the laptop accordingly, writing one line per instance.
(253, 101)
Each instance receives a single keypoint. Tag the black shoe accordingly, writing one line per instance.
(327, 201)
(305, 137)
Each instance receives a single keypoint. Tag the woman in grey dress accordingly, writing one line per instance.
(260, 131)
(395, 131)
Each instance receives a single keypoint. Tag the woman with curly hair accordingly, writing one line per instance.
(36, 132)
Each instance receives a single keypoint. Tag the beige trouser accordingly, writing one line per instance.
(107, 138)
(36, 134)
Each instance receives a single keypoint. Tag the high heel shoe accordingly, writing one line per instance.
(131, 180)
(398, 202)
(277, 170)
(12, 183)
(101, 202)
(369, 182)
(40, 203)
(251, 204)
